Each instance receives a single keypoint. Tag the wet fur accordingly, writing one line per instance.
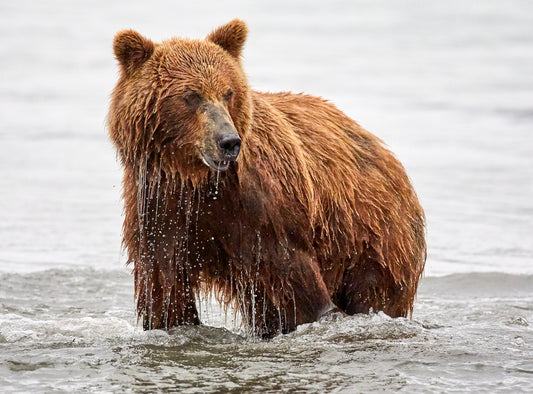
(316, 213)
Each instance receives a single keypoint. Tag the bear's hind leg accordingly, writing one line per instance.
(369, 286)
(296, 293)
(164, 306)
(284, 296)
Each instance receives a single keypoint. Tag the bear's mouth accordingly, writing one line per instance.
(219, 165)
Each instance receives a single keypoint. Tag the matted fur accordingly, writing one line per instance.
(316, 214)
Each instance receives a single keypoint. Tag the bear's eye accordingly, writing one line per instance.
(192, 99)
(228, 95)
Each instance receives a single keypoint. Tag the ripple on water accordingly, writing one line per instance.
(80, 334)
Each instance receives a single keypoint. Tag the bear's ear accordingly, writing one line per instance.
(230, 37)
(131, 49)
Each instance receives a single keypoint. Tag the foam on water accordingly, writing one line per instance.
(93, 342)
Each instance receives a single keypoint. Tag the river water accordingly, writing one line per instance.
(449, 87)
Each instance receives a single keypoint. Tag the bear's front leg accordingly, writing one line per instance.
(164, 298)
(165, 279)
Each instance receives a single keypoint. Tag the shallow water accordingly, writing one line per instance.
(448, 85)
(469, 332)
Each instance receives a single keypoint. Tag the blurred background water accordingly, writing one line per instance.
(447, 85)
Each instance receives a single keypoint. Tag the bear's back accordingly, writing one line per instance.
(358, 189)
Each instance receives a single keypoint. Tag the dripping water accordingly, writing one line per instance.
(216, 184)
(241, 293)
(141, 199)
(264, 305)
(197, 241)
(253, 282)
(167, 307)
(252, 293)
(230, 288)
(188, 213)
(201, 301)
(141, 217)
(258, 252)
(278, 307)
(294, 304)
(157, 192)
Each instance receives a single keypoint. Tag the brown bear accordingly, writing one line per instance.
(279, 204)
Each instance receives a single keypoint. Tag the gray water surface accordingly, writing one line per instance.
(447, 85)
(75, 330)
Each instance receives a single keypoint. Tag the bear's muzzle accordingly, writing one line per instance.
(222, 142)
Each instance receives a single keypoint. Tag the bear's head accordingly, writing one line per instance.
(182, 106)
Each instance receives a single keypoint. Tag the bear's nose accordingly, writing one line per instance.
(230, 146)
